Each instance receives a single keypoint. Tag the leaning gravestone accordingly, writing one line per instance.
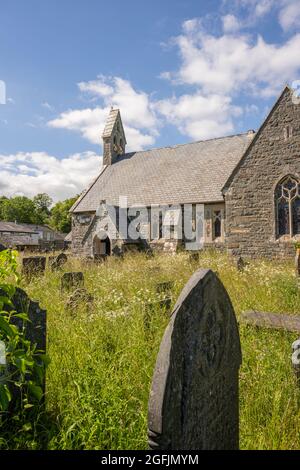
(57, 262)
(193, 401)
(33, 266)
(72, 281)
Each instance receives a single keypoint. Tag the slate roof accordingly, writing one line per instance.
(15, 228)
(188, 173)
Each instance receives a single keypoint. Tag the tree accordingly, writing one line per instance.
(60, 218)
(42, 203)
(19, 209)
(3, 202)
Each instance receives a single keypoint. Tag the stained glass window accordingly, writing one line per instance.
(288, 207)
(217, 224)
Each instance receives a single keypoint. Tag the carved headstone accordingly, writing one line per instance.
(193, 401)
(33, 266)
(72, 281)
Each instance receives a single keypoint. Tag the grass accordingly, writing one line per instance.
(102, 358)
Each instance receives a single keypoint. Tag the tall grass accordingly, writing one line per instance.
(102, 357)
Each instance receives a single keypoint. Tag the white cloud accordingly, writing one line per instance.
(229, 64)
(231, 23)
(289, 15)
(30, 173)
(200, 117)
(288, 11)
(140, 121)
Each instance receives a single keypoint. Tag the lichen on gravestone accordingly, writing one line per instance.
(194, 401)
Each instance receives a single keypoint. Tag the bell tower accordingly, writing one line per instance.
(114, 140)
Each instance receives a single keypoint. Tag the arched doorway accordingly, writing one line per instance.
(101, 246)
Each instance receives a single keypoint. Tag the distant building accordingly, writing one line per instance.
(30, 236)
(18, 236)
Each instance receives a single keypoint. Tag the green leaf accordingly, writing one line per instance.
(35, 391)
(5, 397)
(4, 325)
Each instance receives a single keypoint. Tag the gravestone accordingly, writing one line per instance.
(78, 297)
(297, 263)
(194, 256)
(275, 321)
(72, 280)
(296, 358)
(57, 262)
(33, 266)
(193, 402)
(241, 264)
(35, 331)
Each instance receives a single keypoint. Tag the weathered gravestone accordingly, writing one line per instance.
(80, 297)
(193, 402)
(57, 262)
(194, 256)
(72, 281)
(275, 321)
(296, 358)
(35, 331)
(33, 266)
(241, 264)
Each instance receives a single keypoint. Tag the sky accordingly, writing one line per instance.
(179, 70)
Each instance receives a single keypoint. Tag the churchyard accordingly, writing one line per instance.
(104, 330)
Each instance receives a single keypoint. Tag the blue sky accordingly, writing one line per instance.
(180, 70)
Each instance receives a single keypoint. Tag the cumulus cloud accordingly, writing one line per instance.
(288, 11)
(289, 15)
(199, 116)
(230, 23)
(139, 119)
(229, 64)
(30, 173)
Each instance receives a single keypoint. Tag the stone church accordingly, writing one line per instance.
(248, 186)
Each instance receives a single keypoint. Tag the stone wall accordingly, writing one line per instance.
(250, 206)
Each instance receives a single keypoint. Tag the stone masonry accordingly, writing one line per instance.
(250, 223)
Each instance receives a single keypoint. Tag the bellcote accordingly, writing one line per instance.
(114, 140)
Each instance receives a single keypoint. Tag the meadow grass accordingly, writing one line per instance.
(102, 357)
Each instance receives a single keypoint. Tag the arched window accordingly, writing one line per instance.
(288, 206)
